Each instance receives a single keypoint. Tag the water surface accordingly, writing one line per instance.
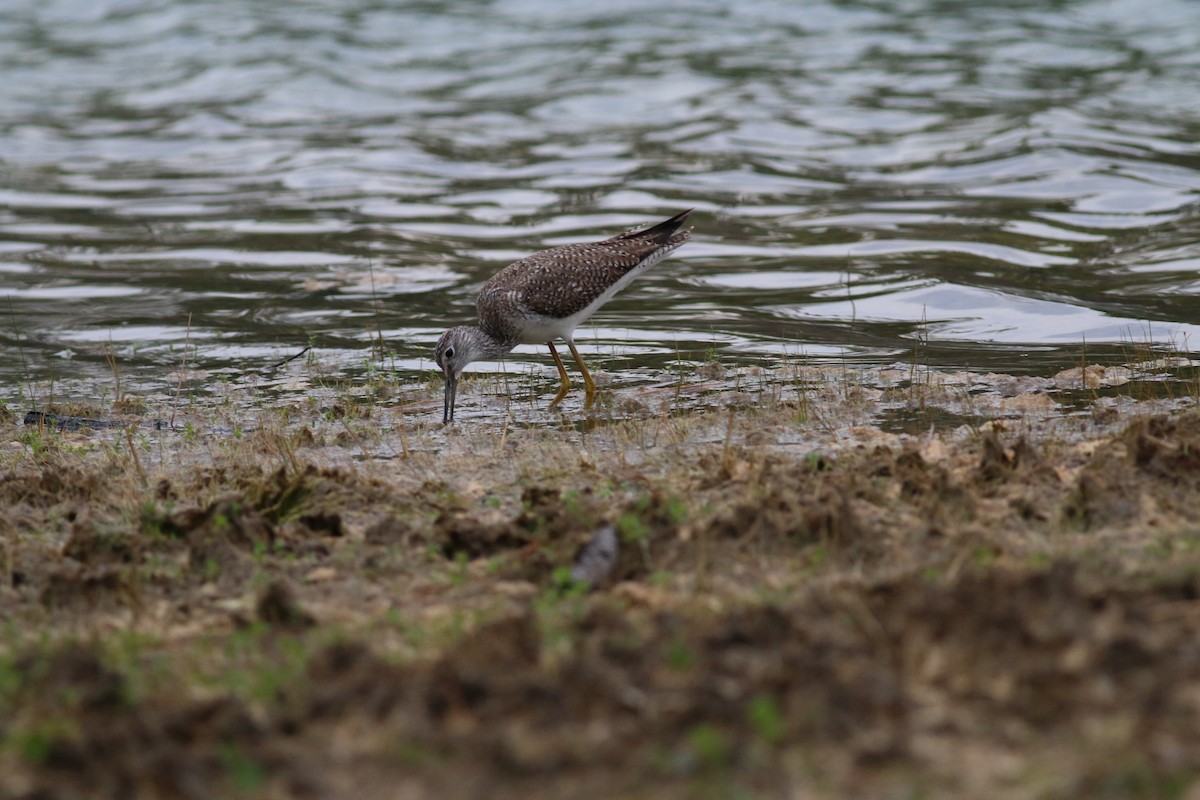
(217, 185)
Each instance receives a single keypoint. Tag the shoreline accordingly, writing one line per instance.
(802, 603)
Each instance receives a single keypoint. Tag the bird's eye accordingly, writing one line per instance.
(449, 352)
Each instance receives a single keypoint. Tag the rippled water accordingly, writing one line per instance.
(991, 186)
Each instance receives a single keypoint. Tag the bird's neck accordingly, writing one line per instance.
(488, 345)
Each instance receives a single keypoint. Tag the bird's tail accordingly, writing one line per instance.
(660, 233)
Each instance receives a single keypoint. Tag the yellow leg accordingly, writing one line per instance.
(562, 373)
(589, 384)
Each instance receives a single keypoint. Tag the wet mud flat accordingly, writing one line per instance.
(799, 606)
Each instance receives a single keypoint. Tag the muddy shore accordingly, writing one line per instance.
(963, 594)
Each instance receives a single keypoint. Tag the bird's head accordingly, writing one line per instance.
(457, 348)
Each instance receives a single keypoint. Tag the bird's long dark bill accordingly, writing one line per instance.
(451, 394)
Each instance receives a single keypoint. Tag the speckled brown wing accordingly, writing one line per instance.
(554, 283)
(564, 281)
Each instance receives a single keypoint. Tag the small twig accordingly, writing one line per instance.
(137, 462)
(503, 438)
(289, 359)
(403, 440)
(12, 318)
(182, 369)
(377, 337)
(110, 356)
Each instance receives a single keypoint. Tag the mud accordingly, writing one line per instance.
(997, 612)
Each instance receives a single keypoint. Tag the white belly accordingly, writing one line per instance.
(539, 330)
